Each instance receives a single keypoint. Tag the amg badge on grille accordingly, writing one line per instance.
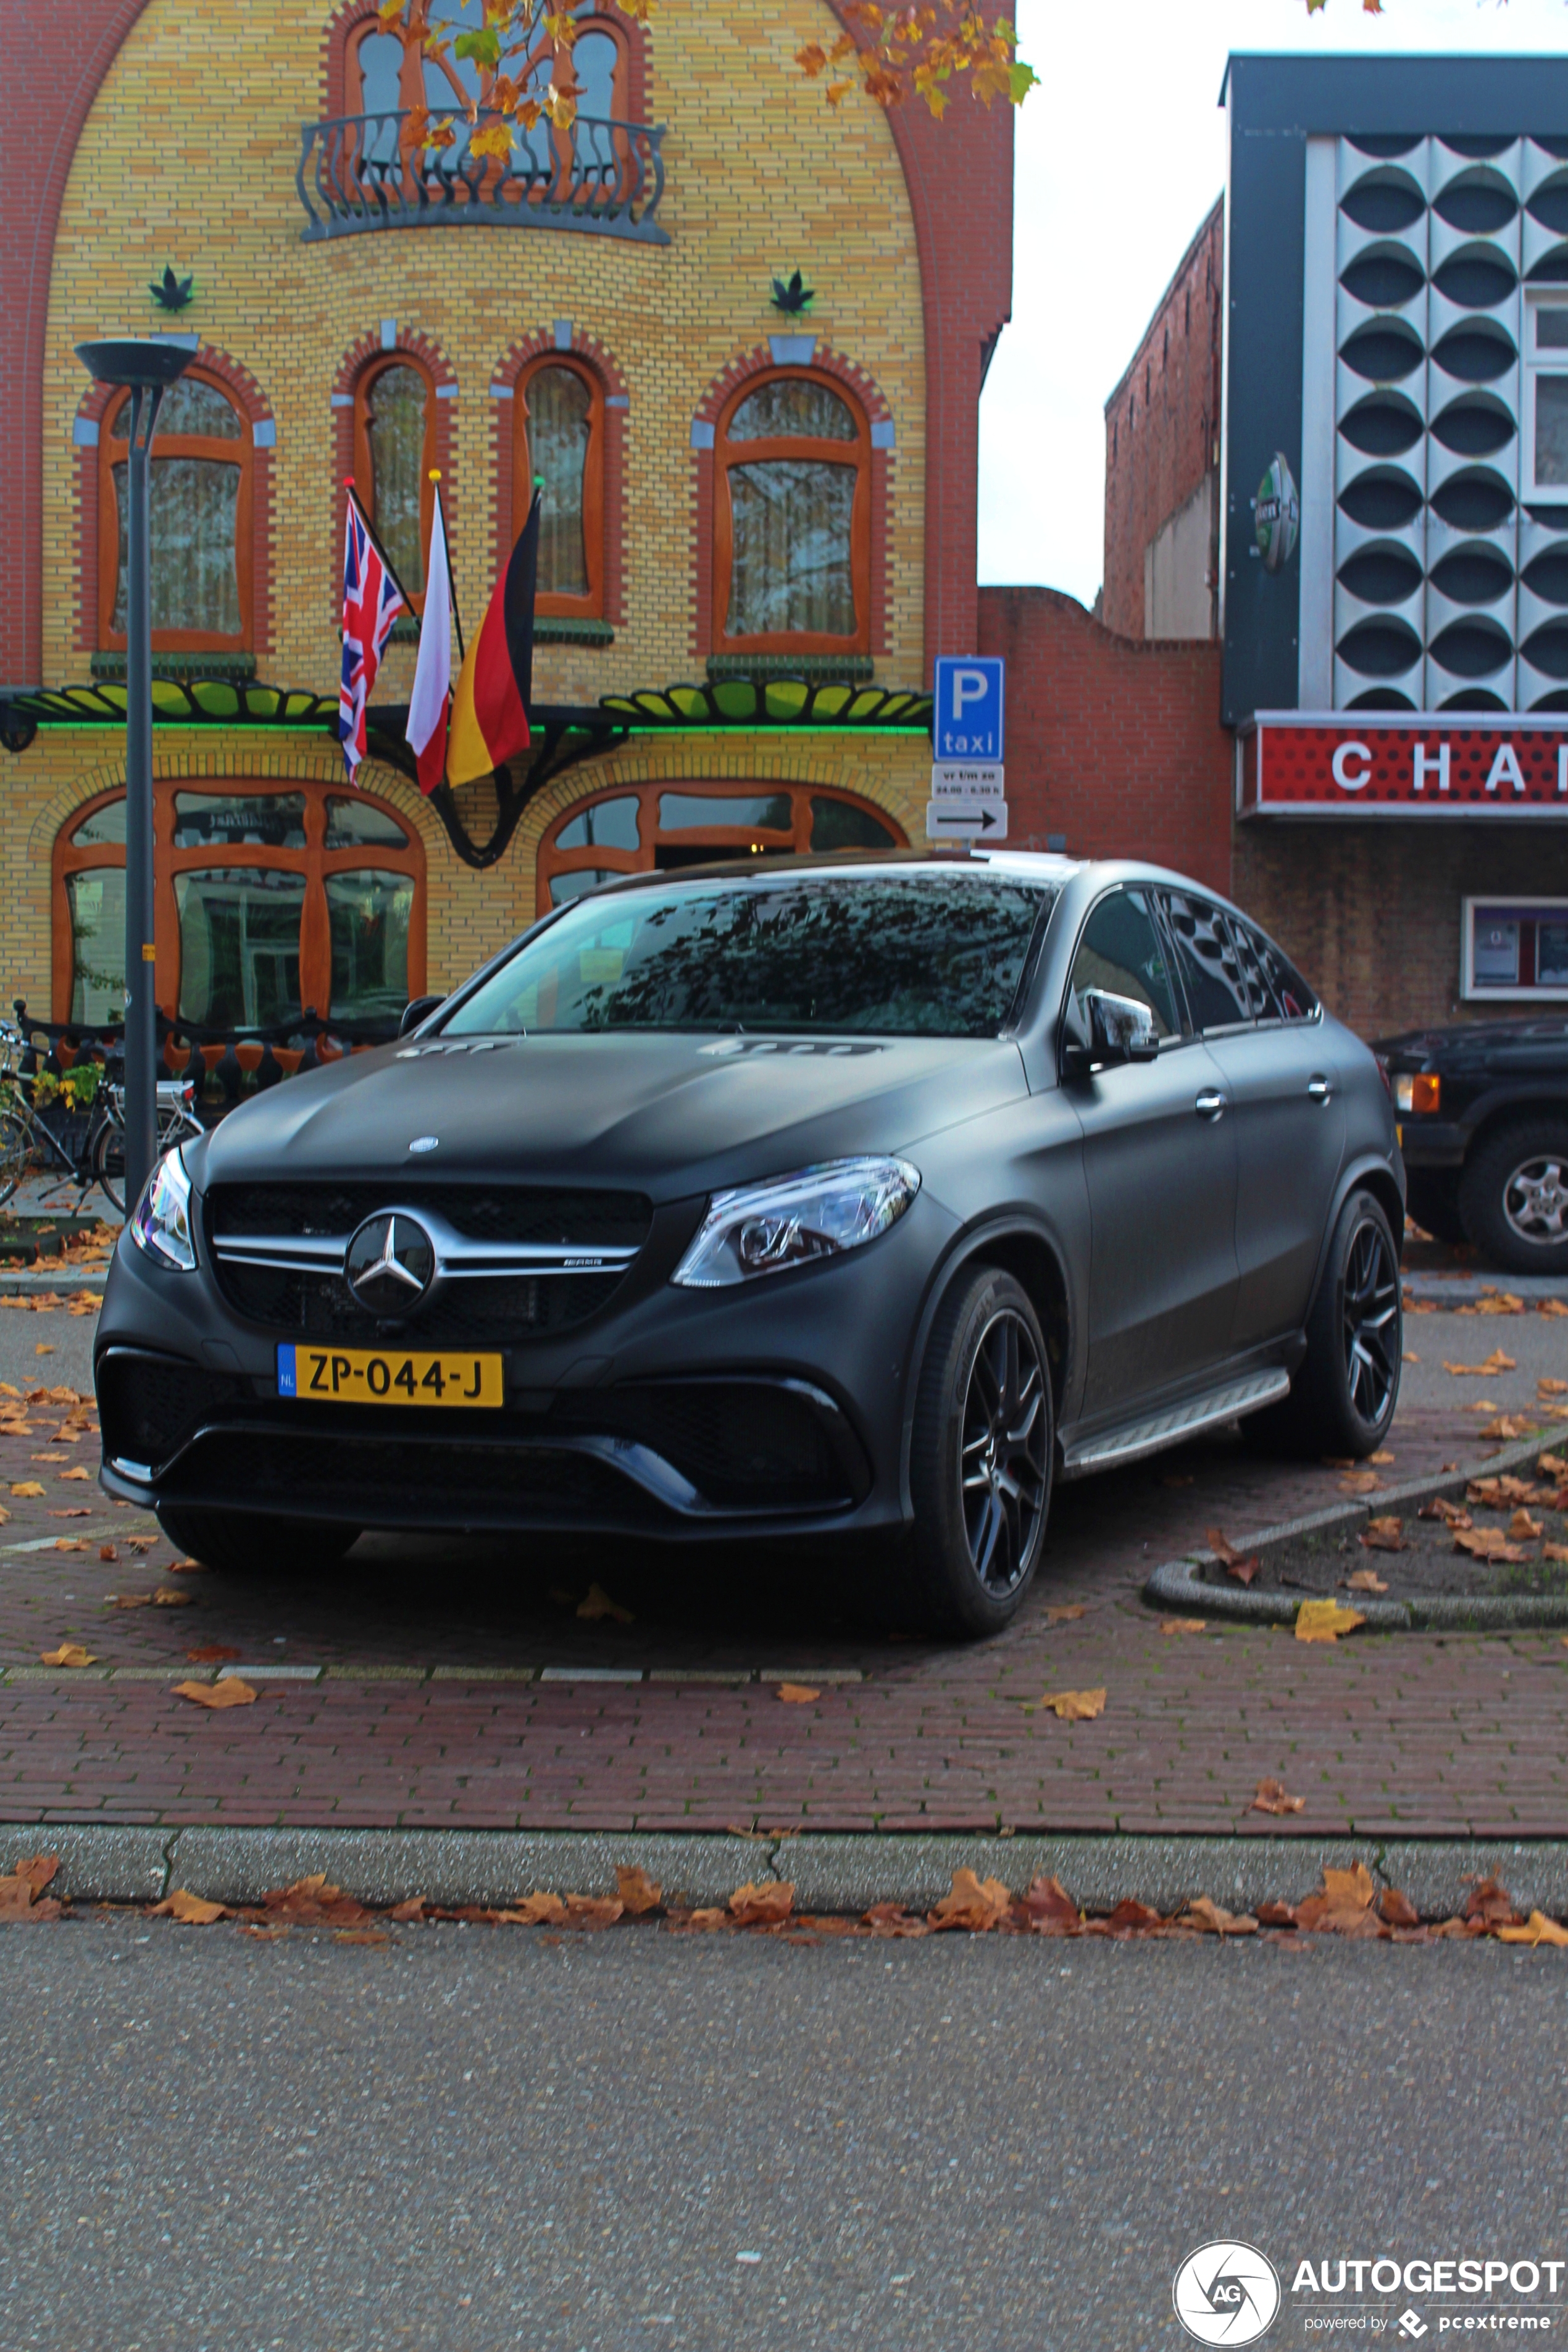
(390, 1263)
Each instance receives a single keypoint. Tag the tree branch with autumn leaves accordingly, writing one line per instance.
(926, 50)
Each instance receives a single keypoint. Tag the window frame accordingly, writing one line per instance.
(364, 469)
(797, 448)
(1164, 892)
(240, 452)
(555, 607)
(732, 840)
(1535, 367)
(1523, 908)
(1184, 1033)
(315, 861)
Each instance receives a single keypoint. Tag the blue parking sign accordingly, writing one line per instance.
(969, 708)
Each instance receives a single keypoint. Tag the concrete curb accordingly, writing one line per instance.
(830, 1874)
(1177, 1585)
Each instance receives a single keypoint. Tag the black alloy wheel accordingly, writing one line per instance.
(1513, 1196)
(1371, 1322)
(1004, 1474)
(982, 1454)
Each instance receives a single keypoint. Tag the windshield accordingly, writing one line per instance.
(895, 955)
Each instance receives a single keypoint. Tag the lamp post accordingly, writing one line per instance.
(146, 370)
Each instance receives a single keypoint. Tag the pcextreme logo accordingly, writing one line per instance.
(1225, 2293)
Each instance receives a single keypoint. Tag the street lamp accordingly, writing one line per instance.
(146, 370)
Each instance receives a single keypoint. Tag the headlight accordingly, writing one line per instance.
(161, 1225)
(820, 1213)
(1417, 1090)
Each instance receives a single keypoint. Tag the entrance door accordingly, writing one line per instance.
(1160, 1163)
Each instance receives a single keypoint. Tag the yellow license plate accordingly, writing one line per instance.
(388, 1376)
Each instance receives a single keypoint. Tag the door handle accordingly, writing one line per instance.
(1210, 1106)
(1319, 1090)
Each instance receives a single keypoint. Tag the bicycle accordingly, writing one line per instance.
(90, 1148)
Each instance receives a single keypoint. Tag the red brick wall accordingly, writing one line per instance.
(1161, 422)
(1115, 744)
(56, 59)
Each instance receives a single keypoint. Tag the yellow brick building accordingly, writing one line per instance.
(771, 514)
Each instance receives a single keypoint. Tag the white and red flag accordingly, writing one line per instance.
(371, 602)
(430, 704)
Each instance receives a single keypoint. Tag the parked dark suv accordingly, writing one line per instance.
(1483, 1114)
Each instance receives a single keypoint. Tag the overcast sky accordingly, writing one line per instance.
(1120, 155)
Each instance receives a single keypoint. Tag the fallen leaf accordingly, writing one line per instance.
(1276, 1914)
(1384, 1535)
(43, 1349)
(700, 1923)
(315, 1902)
(1271, 1798)
(1507, 1425)
(213, 1654)
(1482, 1404)
(231, 1693)
(1183, 1625)
(1244, 1571)
(191, 1910)
(592, 1910)
(1558, 1552)
(64, 1543)
(1487, 1543)
(1339, 1462)
(536, 1911)
(1223, 1550)
(1065, 1612)
(1074, 1706)
(130, 1600)
(21, 1889)
(404, 1911)
(1384, 1458)
(76, 1511)
(1359, 1482)
(1128, 1919)
(599, 1605)
(1408, 1359)
(1048, 1907)
(1367, 1579)
(1215, 1922)
(1490, 1904)
(1537, 1930)
(80, 1472)
(1497, 1492)
(1397, 1909)
(888, 1919)
(1496, 1363)
(1547, 1386)
(26, 1486)
(49, 1457)
(639, 1894)
(971, 1903)
(1441, 1508)
(1342, 1905)
(1551, 1465)
(69, 1653)
(752, 1905)
(360, 1935)
(1550, 1307)
(796, 1694)
(169, 1596)
(1325, 1621)
(1523, 1528)
(107, 1551)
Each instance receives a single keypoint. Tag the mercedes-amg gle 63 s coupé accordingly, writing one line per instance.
(862, 1196)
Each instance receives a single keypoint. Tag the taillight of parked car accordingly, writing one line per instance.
(1418, 1090)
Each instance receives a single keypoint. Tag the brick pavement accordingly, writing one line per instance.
(429, 1713)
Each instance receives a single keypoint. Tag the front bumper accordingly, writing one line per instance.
(1432, 1142)
(681, 1413)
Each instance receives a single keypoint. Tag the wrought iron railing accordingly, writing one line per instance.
(354, 174)
(225, 1064)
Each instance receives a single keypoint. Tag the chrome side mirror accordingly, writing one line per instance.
(1104, 1030)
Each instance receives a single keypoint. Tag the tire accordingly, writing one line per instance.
(109, 1163)
(982, 1456)
(1342, 1398)
(1434, 1204)
(1513, 1196)
(249, 1544)
(15, 1147)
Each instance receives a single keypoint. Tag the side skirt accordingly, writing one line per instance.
(1151, 1433)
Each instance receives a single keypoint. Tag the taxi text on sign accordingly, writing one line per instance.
(1406, 767)
(967, 722)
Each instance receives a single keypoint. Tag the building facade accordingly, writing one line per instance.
(1393, 522)
(759, 528)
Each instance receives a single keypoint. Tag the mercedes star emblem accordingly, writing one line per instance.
(390, 1263)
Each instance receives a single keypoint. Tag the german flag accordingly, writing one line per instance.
(495, 686)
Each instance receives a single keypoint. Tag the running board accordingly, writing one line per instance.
(1188, 1419)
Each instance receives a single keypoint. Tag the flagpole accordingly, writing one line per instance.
(375, 542)
(451, 581)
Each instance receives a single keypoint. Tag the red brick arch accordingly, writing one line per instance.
(254, 405)
(592, 354)
(868, 393)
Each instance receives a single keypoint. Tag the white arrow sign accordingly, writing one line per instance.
(951, 780)
(966, 821)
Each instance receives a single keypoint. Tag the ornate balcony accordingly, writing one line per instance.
(599, 175)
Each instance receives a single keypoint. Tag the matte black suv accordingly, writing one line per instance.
(1483, 1117)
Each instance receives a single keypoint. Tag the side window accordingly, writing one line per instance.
(1206, 959)
(1121, 951)
(1278, 991)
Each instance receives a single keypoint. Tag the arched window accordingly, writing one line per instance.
(394, 449)
(558, 422)
(200, 507)
(792, 519)
(659, 828)
(269, 899)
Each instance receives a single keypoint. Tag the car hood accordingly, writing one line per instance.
(1489, 1044)
(667, 1116)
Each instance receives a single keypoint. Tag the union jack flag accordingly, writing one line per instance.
(371, 605)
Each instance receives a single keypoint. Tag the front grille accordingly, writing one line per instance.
(378, 1483)
(482, 1212)
(322, 1306)
(148, 1405)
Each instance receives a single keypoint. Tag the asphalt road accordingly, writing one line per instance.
(470, 2137)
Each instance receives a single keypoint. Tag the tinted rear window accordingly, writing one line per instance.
(1206, 959)
(889, 954)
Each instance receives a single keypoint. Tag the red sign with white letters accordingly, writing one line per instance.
(1382, 764)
